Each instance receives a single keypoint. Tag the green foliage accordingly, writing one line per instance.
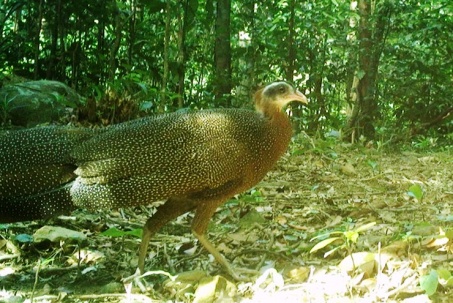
(255, 196)
(416, 69)
(430, 282)
(304, 144)
(416, 192)
(372, 164)
(98, 46)
(424, 143)
(24, 238)
(346, 239)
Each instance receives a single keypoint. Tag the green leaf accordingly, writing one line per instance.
(449, 234)
(146, 105)
(415, 191)
(291, 238)
(365, 227)
(323, 244)
(445, 278)
(351, 235)
(360, 74)
(113, 232)
(24, 238)
(443, 274)
(135, 232)
(372, 164)
(429, 282)
(331, 251)
(325, 235)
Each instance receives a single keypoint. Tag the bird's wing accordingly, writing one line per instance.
(157, 158)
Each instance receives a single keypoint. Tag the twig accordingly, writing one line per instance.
(36, 281)
(264, 251)
(7, 257)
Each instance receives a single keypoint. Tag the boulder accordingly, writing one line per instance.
(31, 103)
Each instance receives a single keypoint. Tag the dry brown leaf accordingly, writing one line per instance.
(348, 169)
(398, 248)
(281, 220)
(214, 289)
(298, 274)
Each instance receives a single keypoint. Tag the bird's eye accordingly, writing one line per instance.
(281, 89)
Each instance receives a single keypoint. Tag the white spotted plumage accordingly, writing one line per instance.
(51, 170)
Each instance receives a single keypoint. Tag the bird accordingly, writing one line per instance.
(194, 161)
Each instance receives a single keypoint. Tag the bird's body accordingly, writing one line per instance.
(133, 162)
(196, 161)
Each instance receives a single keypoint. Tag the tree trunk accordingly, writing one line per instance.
(371, 39)
(98, 75)
(117, 41)
(163, 91)
(291, 49)
(246, 66)
(37, 41)
(222, 54)
(132, 33)
(187, 22)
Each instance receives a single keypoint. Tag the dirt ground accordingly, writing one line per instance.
(332, 223)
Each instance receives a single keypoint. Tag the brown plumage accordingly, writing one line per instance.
(195, 161)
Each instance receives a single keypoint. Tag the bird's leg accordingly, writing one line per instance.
(203, 214)
(171, 209)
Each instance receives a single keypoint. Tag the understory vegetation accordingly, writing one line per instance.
(359, 209)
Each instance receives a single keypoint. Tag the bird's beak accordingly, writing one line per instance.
(298, 96)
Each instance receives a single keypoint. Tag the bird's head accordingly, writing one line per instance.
(275, 96)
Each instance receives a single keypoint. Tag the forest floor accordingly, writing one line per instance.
(381, 222)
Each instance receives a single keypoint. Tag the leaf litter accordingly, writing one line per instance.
(380, 223)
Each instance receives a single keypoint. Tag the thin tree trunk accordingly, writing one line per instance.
(132, 33)
(222, 54)
(37, 41)
(371, 40)
(117, 41)
(291, 49)
(60, 69)
(98, 76)
(247, 62)
(54, 44)
(182, 53)
(350, 41)
(163, 91)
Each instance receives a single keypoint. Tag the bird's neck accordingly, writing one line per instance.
(281, 130)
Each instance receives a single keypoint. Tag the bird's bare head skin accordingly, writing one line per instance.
(276, 96)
